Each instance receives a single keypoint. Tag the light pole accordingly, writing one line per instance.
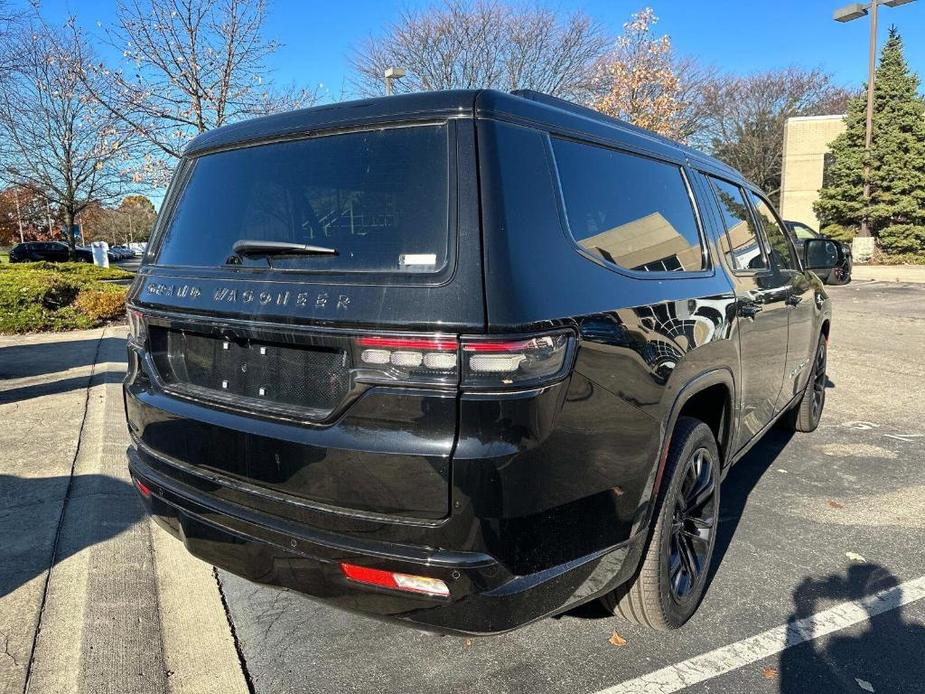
(391, 74)
(846, 14)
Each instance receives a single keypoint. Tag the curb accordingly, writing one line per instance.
(127, 608)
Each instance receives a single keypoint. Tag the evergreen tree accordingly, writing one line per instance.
(898, 151)
(897, 157)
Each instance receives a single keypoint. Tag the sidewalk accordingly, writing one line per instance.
(889, 273)
(93, 597)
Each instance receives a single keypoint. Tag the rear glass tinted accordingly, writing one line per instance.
(379, 198)
(631, 211)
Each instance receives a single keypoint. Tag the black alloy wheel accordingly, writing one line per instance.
(806, 414)
(819, 380)
(693, 525)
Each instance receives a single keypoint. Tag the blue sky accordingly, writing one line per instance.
(740, 35)
(317, 36)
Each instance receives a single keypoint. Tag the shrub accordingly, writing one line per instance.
(839, 232)
(903, 238)
(902, 259)
(58, 296)
(103, 304)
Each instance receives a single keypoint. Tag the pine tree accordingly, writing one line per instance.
(841, 201)
(898, 150)
(897, 157)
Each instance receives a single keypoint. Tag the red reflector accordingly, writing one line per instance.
(145, 492)
(395, 581)
(438, 344)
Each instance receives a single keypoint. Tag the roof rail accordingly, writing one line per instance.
(558, 102)
(578, 109)
(588, 112)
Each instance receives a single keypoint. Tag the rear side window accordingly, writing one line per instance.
(629, 210)
(378, 198)
(740, 242)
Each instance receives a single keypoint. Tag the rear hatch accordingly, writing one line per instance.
(276, 275)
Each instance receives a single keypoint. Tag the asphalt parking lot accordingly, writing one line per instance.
(820, 550)
(808, 522)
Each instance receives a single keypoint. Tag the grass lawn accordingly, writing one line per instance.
(36, 297)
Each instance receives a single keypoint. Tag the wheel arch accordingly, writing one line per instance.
(709, 397)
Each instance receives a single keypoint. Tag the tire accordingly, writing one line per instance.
(804, 416)
(663, 595)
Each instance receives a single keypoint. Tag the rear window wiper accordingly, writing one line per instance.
(248, 247)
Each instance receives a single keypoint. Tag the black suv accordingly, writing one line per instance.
(51, 251)
(464, 359)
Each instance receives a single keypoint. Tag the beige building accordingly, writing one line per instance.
(806, 143)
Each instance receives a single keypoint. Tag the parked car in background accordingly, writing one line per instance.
(464, 359)
(49, 251)
(841, 273)
(122, 252)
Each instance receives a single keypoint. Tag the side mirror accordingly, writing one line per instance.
(820, 254)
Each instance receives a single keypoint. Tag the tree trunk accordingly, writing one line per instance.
(69, 232)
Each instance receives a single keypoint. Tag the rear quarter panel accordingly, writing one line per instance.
(642, 339)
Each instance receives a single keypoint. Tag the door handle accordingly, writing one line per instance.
(749, 309)
(794, 299)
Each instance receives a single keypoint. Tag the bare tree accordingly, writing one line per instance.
(10, 22)
(190, 66)
(55, 139)
(695, 80)
(746, 117)
(486, 44)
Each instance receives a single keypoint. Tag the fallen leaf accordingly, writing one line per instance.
(835, 504)
(853, 556)
(864, 684)
(768, 672)
(616, 639)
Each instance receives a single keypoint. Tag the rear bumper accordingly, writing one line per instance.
(485, 598)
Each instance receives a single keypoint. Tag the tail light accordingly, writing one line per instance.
(407, 360)
(480, 362)
(515, 362)
(137, 332)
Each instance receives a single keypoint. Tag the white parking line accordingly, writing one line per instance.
(750, 650)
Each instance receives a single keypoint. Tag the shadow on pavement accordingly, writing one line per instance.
(884, 654)
(738, 486)
(30, 509)
(63, 385)
(31, 360)
(22, 361)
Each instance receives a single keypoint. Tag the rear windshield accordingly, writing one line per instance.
(378, 198)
